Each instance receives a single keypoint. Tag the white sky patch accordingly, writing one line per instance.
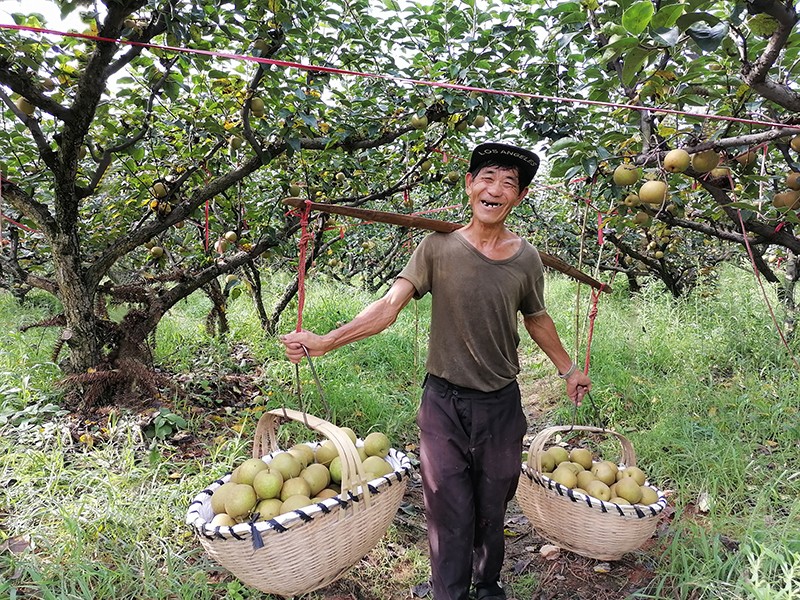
(49, 10)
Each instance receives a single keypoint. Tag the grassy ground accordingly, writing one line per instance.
(702, 387)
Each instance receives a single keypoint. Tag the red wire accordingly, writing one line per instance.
(305, 237)
(206, 227)
(412, 81)
(592, 317)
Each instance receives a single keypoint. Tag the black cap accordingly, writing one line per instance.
(506, 154)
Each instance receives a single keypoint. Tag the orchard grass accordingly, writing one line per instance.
(702, 386)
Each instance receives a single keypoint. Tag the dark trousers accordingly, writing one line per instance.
(470, 459)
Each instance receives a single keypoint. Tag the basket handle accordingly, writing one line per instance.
(266, 441)
(534, 453)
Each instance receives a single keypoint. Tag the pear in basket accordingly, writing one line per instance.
(241, 500)
(326, 452)
(599, 490)
(581, 456)
(287, 464)
(628, 488)
(335, 470)
(548, 462)
(634, 472)
(605, 472)
(223, 520)
(558, 453)
(350, 433)
(220, 495)
(325, 494)
(377, 466)
(295, 502)
(303, 453)
(377, 444)
(565, 476)
(296, 486)
(318, 477)
(585, 478)
(268, 484)
(246, 472)
(268, 509)
(649, 495)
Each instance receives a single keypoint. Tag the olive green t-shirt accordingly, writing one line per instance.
(475, 300)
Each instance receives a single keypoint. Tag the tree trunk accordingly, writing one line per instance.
(792, 274)
(80, 333)
(255, 279)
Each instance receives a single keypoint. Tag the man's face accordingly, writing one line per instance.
(493, 192)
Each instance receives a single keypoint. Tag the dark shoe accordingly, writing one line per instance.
(489, 591)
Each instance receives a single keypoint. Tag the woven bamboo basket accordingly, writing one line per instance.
(306, 549)
(578, 522)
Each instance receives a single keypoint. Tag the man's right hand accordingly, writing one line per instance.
(297, 340)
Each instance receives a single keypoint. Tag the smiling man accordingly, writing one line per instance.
(481, 277)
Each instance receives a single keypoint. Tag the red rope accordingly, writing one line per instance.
(4, 217)
(764, 292)
(592, 317)
(206, 231)
(305, 237)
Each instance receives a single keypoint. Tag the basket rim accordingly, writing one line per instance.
(638, 511)
(291, 520)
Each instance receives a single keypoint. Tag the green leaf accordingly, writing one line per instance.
(666, 37)
(633, 63)
(708, 38)
(689, 19)
(566, 7)
(589, 164)
(637, 17)
(667, 16)
(561, 144)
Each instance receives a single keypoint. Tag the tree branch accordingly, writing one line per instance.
(755, 74)
(47, 154)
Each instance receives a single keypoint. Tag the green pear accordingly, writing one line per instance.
(377, 444)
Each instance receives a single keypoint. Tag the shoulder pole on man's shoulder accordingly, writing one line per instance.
(415, 222)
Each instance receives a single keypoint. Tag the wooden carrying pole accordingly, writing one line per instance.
(415, 222)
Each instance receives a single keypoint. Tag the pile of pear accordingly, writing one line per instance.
(579, 470)
(299, 477)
